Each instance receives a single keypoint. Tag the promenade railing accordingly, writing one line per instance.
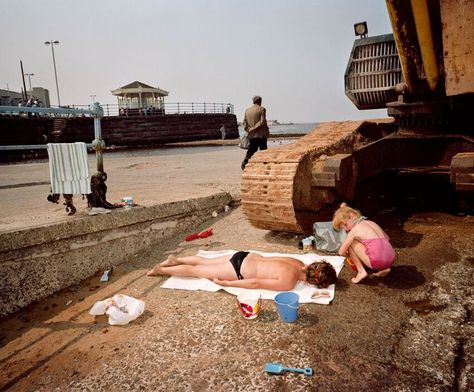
(166, 108)
(113, 109)
(94, 111)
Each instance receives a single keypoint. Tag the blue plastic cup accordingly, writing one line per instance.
(287, 305)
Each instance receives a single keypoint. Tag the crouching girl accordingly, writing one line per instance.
(366, 243)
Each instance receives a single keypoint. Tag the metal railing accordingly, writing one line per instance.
(112, 109)
(51, 111)
(94, 111)
(166, 108)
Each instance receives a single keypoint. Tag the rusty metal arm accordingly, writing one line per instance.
(401, 21)
(425, 39)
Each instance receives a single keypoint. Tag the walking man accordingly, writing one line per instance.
(255, 123)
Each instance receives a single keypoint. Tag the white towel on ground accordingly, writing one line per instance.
(69, 168)
(304, 290)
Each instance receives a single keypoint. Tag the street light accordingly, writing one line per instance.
(52, 43)
(93, 97)
(29, 82)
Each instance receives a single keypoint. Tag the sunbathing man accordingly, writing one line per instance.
(249, 270)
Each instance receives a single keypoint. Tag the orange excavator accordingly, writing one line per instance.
(423, 74)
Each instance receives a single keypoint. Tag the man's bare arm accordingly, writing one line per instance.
(258, 283)
(245, 124)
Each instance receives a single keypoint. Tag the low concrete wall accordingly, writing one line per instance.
(37, 262)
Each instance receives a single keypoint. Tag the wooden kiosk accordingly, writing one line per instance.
(138, 98)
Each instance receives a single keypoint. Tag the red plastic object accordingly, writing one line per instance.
(205, 233)
(202, 234)
(351, 263)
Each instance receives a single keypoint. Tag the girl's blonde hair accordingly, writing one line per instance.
(343, 213)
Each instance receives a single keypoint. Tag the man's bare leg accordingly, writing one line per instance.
(156, 270)
(172, 260)
(174, 270)
(218, 270)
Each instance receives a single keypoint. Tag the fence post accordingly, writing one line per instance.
(204, 107)
(98, 143)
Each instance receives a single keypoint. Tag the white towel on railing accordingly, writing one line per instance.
(69, 168)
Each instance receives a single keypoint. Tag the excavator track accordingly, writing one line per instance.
(278, 189)
(423, 75)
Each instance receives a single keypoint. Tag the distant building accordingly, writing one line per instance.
(10, 98)
(42, 95)
(13, 98)
(140, 98)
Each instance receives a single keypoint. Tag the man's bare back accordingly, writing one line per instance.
(258, 266)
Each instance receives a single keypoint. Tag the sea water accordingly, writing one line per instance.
(287, 129)
(281, 129)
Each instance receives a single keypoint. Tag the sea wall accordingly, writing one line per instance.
(38, 262)
(24, 130)
(118, 130)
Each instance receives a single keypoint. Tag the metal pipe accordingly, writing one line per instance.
(399, 18)
(98, 143)
(425, 39)
(24, 85)
(29, 82)
(52, 43)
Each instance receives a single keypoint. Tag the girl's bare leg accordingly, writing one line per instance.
(382, 272)
(359, 249)
(358, 256)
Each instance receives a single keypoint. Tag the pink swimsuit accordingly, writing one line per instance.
(380, 252)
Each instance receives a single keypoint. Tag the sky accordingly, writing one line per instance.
(293, 53)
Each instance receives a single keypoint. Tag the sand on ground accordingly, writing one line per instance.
(411, 330)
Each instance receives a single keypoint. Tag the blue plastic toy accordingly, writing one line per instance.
(277, 368)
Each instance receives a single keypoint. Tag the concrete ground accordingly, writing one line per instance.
(150, 176)
(409, 331)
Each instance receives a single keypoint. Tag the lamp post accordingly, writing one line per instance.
(52, 43)
(29, 82)
(93, 97)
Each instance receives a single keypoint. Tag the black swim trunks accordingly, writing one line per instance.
(236, 260)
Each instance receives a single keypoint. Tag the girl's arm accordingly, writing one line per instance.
(259, 283)
(346, 244)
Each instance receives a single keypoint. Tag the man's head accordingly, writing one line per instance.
(321, 274)
(257, 100)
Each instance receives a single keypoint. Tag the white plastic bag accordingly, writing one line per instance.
(244, 142)
(121, 309)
